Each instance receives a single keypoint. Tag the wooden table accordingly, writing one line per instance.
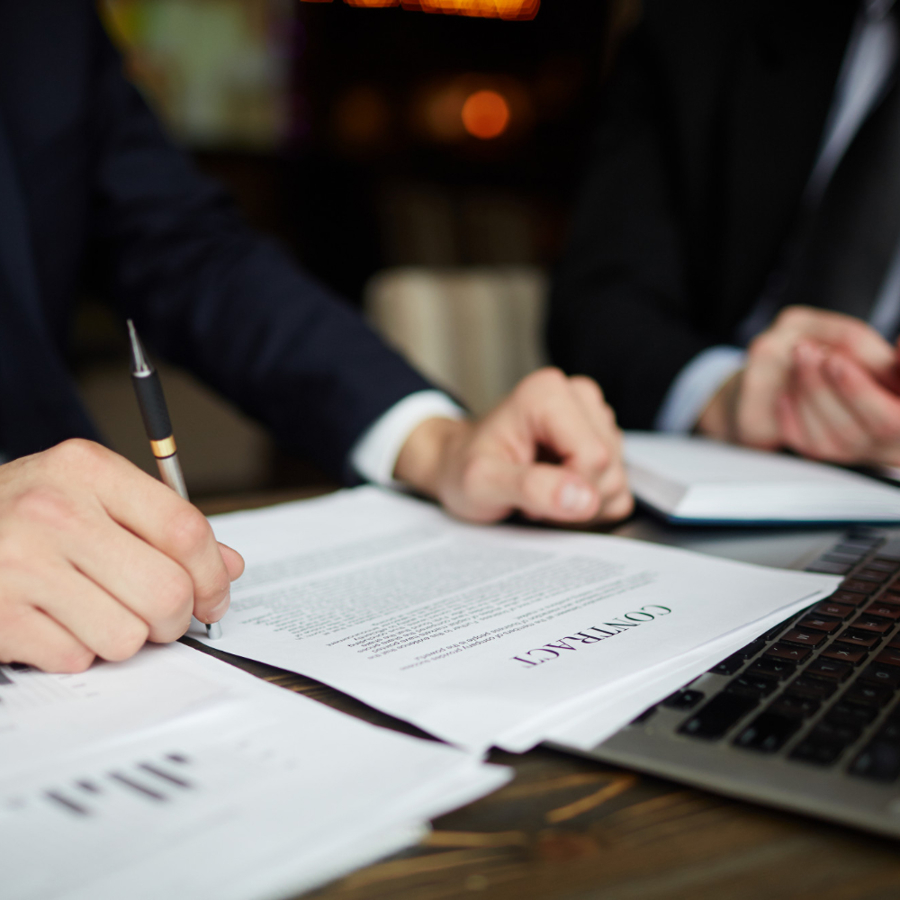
(568, 828)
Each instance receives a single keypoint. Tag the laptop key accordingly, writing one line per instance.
(751, 649)
(849, 598)
(873, 575)
(845, 653)
(819, 749)
(718, 716)
(773, 633)
(878, 760)
(859, 587)
(837, 556)
(889, 656)
(859, 638)
(788, 652)
(830, 566)
(795, 705)
(871, 624)
(890, 731)
(810, 686)
(804, 637)
(751, 685)
(768, 732)
(683, 699)
(868, 694)
(845, 712)
(728, 666)
(830, 608)
(843, 733)
(886, 610)
(883, 565)
(829, 668)
(878, 673)
(860, 548)
(772, 667)
(820, 623)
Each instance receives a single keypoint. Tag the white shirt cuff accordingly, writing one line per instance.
(374, 455)
(696, 385)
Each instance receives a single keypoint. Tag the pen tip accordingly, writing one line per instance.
(139, 362)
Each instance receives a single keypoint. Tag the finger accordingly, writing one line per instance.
(616, 501)
(769, 364)
(143, 580)
(817, 442)
(556, 420)
(41, 642)
(856, 338)
(90, 614)
(596, 410)
(841, 435)
(539, 490)
(233, 560)
(765, 378)
(792, 433)
(877, 409)
(157, 515)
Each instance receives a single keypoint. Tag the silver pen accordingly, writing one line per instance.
(155, 414)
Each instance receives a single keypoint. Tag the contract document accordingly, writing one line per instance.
(485, 635)
(177, 775)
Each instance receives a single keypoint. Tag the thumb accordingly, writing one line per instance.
(233, 560)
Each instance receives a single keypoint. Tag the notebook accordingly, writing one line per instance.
(695, 480)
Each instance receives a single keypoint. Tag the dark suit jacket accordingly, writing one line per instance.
(92, 192)
(710, 127)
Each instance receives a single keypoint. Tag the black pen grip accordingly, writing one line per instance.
(153, 406)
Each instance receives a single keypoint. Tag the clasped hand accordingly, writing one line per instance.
(823, 384)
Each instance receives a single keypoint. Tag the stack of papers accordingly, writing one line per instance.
(697, 480)
(176, 775)
(488, 636)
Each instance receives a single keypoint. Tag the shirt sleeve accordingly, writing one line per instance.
(374, 456)
(695, 386)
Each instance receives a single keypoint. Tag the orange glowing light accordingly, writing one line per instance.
(513, 10)
(490, 9)
(485, 114)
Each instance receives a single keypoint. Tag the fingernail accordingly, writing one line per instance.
(218, 611)
(574, 498)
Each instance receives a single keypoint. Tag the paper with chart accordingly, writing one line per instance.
(479, 635)
(222, 786)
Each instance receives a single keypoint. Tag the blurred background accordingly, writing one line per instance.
(421, 157)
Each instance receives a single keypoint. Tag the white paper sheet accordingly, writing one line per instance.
(477, 634)
(216, 785)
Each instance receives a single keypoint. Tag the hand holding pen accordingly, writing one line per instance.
(155, 413)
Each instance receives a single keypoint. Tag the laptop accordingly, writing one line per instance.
(806, 717)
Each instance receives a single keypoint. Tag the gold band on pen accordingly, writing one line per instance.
(165, 447)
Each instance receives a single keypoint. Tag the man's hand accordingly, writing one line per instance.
(96, 557)
(749, 408)
(550, 450)
(836, 411)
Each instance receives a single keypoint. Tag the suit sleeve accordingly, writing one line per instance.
(620, 310)
(213, 296)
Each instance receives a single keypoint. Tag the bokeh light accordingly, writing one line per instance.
(471, 108)
(511, 10)
(485, 114)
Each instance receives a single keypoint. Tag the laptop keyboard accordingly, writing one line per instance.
(822, 688)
